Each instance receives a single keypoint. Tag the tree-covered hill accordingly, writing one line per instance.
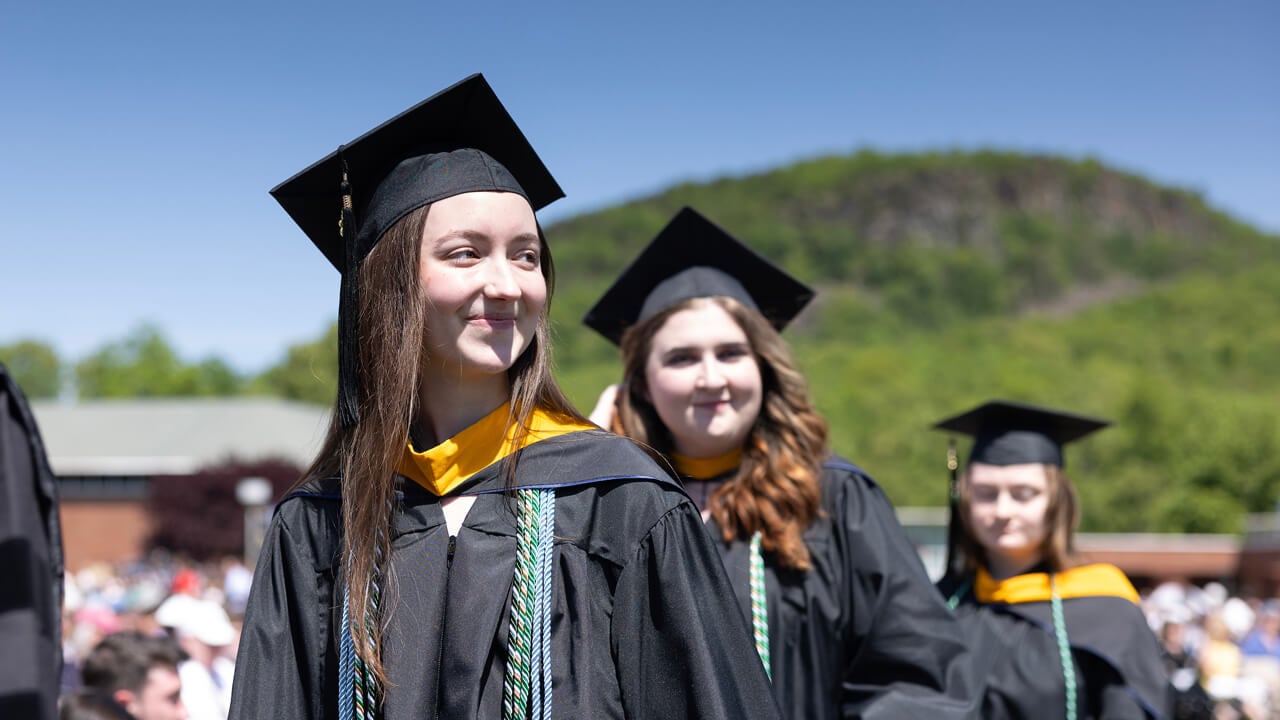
(925, 239)
(944, 280)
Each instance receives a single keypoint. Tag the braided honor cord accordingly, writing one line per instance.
(346, 662)
(759, 604)
(357, 685)
(1064, 648)
(527, 684)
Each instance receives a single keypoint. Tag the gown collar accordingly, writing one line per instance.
(1095, 580)
(706, 468)
(444, 467)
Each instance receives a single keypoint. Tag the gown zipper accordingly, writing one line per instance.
(448, 572)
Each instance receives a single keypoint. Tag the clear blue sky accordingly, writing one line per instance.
(138, 140)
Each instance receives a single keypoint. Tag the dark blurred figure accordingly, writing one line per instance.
(138, 672)
(91, 705)
(30, 565)
(1190, 700)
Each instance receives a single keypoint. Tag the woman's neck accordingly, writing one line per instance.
(1003, 566)
(448, 407)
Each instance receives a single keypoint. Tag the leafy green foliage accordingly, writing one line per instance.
(309, 372)
(34, 366)
(145, 365)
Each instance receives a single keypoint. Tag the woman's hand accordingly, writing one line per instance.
(602, 415)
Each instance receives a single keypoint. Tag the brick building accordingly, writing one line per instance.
(105, 453)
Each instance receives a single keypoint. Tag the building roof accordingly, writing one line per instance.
(1164, 555)
(176, 436)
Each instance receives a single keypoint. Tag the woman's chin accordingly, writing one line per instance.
(1011, 548)
(709, 445)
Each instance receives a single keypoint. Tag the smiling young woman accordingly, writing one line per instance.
(842, 612)
(465, 544)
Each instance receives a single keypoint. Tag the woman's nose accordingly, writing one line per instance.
(1004, 504)
(500, 281)
(709, 374)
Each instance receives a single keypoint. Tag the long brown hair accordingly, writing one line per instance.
(775, 490)
(1061, 516)
(392, 352)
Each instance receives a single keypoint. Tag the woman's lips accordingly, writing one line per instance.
(497, 322)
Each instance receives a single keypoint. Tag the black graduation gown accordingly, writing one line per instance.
(863, 633)
(31, 564)
(1118, 666)
(643, 620)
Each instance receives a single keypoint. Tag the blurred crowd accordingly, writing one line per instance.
(156, 639)
(1222, 652)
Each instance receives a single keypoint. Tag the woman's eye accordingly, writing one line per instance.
(464, 254)
(529, 256)
(680, 359)
(735, 353)
(1025, 494)
(985, 495)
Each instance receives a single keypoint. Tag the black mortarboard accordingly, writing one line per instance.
(459, 140)
(694, 257)
(1011, 433)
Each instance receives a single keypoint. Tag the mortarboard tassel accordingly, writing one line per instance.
(348, 311)
(955, 561)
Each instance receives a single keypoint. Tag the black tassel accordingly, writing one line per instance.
(348, 312)
(955, 557)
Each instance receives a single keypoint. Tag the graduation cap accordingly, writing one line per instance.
(693, 257)
(457, 141)
(1011, 433)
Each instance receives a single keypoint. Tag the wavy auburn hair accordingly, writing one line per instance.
(775, 490)
(1061, 517)
(392, 352)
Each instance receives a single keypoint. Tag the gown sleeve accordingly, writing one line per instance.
(1111, 697)
(907, 656)
(682, 647)
(280, 663)
(1115, 702)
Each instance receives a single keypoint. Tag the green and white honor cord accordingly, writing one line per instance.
(759, 604)
(1064, 648)
(526, 688)
(954, 600)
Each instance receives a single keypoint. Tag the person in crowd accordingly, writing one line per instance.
(1190, 700)
(139, 673)
(1055, 639)
(466, 544)
(1264, 639)
(204, 632)
(844, 616)
(237, 579)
